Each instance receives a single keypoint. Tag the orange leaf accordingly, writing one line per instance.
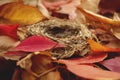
(97, 47)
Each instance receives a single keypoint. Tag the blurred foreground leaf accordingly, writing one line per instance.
(16, 12)
(36, 67)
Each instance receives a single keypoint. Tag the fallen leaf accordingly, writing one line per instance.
(99, 21)
(63, 6)
(20, 74)
(37, 43)
(90, 5)
(37, 66)
(53, 5)
(14, 55)
(97, 47)
(16, 12)
(112, 64)
(9, 30)
(94, 58)
(39, 5)
(70, 8)
(7, 43)
(116, 16)
(116, 30)
(91, 72)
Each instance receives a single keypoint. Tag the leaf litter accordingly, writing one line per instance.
(48, 47)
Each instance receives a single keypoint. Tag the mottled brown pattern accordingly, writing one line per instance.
(70, 33)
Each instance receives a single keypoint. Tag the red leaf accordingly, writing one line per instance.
(9, 30)
(89, 59)
(90, 72)
(112, 64)
(37, 43)
(97, 47)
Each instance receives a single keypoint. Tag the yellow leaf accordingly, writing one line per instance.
(17, 12)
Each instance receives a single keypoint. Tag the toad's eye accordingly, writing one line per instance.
(57, 30)
(61, 32)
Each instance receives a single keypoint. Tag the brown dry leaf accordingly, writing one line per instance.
(37, 67)
(17, 12)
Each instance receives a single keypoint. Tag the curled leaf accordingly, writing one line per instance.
(116, 30)
(97, 47)
(37, 43)
(99, 21)
(16, 12)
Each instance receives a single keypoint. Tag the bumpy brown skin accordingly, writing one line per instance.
(67, 32)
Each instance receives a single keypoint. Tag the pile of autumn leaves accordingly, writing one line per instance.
(33, 54)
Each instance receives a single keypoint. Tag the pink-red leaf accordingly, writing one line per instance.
(112, 64)
(37, 43)
(88, 59)
(9, 30)
(91, 72)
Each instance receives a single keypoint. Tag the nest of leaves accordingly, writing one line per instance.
(30, 58)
